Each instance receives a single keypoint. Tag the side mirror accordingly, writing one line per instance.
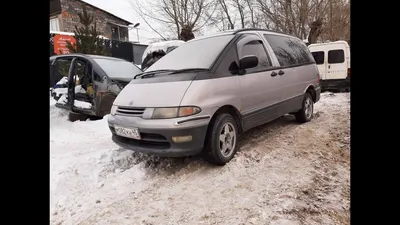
(233, 68)
(104, 78)
(248, 61)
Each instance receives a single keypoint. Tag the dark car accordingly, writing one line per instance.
(88, 84)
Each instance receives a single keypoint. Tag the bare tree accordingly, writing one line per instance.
(240, 5)
(225, 10)
(308, 18)
(184, 16)
(254, 13)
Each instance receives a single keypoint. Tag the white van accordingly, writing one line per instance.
(333, 61)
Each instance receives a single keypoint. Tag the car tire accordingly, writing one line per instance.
(305, 114)
(73, 116)
(219, 152)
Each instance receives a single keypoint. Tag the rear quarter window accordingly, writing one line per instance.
(335, 56)
(289, 51)
(319, 57)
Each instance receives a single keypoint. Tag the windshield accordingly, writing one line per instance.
(194, 54)
(117, 68)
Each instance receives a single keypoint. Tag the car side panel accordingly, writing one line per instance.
(212, 93)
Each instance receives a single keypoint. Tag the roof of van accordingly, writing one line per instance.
(329, 43)
(236, 31)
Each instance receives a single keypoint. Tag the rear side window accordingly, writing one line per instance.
(289, 51)
(319, 57)
(336, 56)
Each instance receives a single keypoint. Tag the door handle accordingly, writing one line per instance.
(281, 72)
(273, 74)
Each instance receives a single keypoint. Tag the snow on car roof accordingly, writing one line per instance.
(163, 45)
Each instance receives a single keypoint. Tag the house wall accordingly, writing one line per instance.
(69, 18)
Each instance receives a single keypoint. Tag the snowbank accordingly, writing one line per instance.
(82, 104)
(85, 167)
(164, 45)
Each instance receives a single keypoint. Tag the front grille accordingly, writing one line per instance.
(130, 111)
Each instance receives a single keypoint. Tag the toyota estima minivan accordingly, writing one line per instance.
(200, 97)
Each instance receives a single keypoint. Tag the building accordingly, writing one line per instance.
(64, 17)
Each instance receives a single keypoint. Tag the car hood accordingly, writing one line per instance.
(153, 92)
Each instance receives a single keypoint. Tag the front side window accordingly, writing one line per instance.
(256, 48)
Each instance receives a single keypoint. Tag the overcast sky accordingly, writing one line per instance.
(123, 9)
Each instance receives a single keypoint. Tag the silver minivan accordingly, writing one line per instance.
(200, 97)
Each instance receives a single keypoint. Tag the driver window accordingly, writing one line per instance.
(256, 48)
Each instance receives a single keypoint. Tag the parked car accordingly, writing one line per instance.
(89, 84)
(333, 61)
(199, 99)
(156, 51)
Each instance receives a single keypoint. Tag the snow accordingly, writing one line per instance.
(82, 104)
(64, 80)
(79, 89)
(64, 91)
(60, 91)
(284, 173)
(62, 100)
(164, 45)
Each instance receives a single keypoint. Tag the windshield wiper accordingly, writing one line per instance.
(150, 73)
(188, 70)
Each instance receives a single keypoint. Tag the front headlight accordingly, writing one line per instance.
(113, 110)
(174, 112)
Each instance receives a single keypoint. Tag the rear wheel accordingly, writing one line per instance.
(222, 140)
(305, 114)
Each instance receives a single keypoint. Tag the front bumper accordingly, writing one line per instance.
(158, 141)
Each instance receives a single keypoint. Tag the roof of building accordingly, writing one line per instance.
(126, 21)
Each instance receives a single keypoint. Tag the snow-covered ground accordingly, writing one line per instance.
(284, 173)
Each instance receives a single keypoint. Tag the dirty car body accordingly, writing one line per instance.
(105, 77)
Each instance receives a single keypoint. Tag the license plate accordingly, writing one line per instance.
(127, 132)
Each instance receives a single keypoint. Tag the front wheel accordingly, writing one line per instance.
(305, 114)
(222, 141)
